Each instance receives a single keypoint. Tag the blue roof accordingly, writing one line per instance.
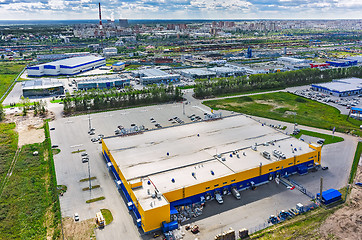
(119, 64)
(330, 194)
(173, 210)
(356, 109)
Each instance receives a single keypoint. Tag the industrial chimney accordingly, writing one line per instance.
(100, 17)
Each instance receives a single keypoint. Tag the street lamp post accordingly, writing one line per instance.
(183, 107)
(90, 183)
(90, 125)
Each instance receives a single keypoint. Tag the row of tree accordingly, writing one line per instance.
(98, 99)
(217, 86)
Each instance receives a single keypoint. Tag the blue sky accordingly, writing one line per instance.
(181, 9)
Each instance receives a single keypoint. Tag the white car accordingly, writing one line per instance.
(219, 198)
(76, 217)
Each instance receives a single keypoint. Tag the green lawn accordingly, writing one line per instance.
(8, 72)
(56, 100)
(328, 138)
(107, 216)
(25, 199)
(282, 105)
(356, 159)
(8, 146)
(28, 206)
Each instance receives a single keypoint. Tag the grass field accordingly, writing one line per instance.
(282, 106)
(8, 72)
(28, 206)
(356, 159)
(8, 146)
(328, 138)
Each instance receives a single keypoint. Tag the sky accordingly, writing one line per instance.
(180, 9)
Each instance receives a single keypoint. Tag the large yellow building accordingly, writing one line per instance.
(160, 169)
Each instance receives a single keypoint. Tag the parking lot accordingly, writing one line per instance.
(343, 104)
(71, 134)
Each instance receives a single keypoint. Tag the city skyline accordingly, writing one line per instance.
(180, 9)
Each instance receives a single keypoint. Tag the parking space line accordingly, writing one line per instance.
(73, 146)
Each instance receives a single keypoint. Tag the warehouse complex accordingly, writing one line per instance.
(154, 75)
(42, 87)
(341, 87)
(161, 169)
(102, 83)
(69, 66)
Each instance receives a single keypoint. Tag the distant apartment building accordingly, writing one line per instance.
(110, 51)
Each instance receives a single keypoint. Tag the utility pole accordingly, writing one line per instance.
(321, 190)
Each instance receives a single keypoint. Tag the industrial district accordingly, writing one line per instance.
(144, 122)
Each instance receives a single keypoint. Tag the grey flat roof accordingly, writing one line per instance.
(145, 155)
(74, 61)
(197, 71)
(41, 83)
(343, 85)
(152, 72)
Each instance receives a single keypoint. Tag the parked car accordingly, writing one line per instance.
(76, 217)
(218, 198)
(320, 141)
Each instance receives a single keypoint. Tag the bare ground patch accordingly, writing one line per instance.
(274, 104)
(29, 127)
(346, 223)
(83, 230)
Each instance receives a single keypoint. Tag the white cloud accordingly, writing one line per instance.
(57, 4)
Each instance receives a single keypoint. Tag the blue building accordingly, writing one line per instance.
(343, 63)
(341, 87)
(330, 196)
(69, 66)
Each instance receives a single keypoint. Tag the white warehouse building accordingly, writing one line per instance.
(69, 66)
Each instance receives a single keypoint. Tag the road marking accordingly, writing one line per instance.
(69, 121)
(79, 145)
(201, 108)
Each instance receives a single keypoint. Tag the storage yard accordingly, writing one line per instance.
(157, 175)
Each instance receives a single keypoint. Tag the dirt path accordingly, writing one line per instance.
(346, 223)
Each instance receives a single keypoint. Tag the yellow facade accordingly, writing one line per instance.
(153, 218)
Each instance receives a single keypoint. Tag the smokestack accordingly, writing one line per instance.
(100, 16)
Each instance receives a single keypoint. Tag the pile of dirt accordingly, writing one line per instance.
(78, 230)
(29, 127)
(346, 223)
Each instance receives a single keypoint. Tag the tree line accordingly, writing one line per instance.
(102, 99)
(217, 86)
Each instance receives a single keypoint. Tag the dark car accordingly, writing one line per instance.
(320, 141)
